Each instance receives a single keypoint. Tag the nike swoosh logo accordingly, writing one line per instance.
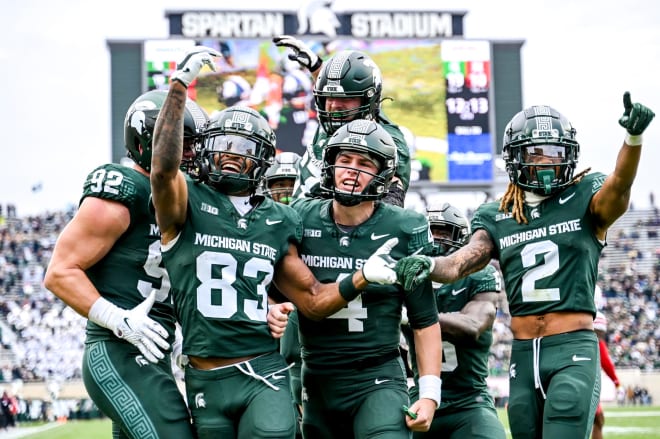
(377, 381)
(277, 377)
(457, 292)
(375, 237)
(576, 358)
(564, 200)
(270, 222)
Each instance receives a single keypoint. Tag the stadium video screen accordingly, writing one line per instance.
(438, 90)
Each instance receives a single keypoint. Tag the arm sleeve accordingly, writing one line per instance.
(606, 362)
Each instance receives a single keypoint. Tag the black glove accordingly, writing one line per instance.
(302, 54)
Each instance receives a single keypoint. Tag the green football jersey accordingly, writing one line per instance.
(221, 266)
(551, 263)
(368, 326)
(464, 362)
(309, 173)
(133, 267)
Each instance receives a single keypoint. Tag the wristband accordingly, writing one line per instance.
(633, 140)
(347, 290)
(431, 265)
(102, 312)
(316, 66)
(430, 388)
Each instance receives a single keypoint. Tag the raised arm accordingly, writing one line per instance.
(301, 53)
(168, 183)
(608, 204)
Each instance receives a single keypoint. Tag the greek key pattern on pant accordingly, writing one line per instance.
(119, 394)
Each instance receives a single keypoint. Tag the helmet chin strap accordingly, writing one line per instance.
(546, 176)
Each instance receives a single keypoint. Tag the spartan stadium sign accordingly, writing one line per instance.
(315, 19)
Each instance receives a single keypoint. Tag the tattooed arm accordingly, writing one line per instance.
(168, 184)
(472, 257)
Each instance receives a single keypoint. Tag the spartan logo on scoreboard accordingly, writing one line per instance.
(316, 17)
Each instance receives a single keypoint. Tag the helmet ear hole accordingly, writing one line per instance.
(201, 169)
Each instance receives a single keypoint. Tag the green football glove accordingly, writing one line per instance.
(636, 117)
(412, 271)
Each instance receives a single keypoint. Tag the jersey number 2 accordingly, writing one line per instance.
(550, 253)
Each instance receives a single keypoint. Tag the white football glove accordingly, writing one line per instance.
(302, 54)
(178, 357)
(188, 69)
(133, 325)
(379, 268)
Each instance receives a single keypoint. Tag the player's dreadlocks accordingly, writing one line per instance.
(515, 196)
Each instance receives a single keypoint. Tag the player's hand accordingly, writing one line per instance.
(412, 271)
(278, 317)
(134, 326)
(188, 69)
(425, 410)
(302, 54)
(636, 117)
(179, 358)
(379, 268)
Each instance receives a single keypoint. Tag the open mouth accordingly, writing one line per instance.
(349, 185)
(231, 166)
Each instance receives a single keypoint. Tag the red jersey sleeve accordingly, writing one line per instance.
(606, 362)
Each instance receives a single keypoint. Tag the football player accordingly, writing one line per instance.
(547, 232)
(466, 313)
(348, 86)
(222, 246)
(281, 176)
(354, 382)
(107, 266)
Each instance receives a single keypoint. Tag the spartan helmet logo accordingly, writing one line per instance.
(344, 241)
(138, 122)
(512, 371)
(242, 223)
(200, 402)
(316, 17)
(141, 361)
(535, 213)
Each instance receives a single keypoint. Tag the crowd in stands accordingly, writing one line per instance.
(42, 339)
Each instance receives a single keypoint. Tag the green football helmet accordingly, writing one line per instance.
(349, 73)
(365, 137)
(447, 218)
(285, 167)
(540, 132)
(140, 122)
(238, 148)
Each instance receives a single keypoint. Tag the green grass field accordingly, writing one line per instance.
(620, 423)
